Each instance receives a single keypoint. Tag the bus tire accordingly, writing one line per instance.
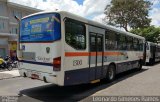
(111, 73)
(139, 65)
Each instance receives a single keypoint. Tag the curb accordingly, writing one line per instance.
(10, 77)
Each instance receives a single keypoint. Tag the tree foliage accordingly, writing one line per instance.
(128, 13)
(151, 33)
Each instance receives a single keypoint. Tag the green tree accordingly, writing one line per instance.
(151, 33)
(128, 13)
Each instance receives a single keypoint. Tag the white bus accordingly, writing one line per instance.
(65, 49)
(152, 53)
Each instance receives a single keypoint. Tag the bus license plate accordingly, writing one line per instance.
(35, 76)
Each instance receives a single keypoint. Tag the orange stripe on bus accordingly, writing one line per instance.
(72, 54)
(112, 53)
(69, 54)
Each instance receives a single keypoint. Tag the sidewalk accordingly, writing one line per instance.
(9, 74)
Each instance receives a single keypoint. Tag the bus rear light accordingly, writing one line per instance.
(57, 64)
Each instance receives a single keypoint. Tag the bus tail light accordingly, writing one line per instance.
(57, 64)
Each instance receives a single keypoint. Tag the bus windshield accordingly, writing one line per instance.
(41, 28)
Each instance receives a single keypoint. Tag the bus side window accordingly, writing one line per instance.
(75, 34)
(122, 42)
(129, 43)
(141, 44)
(138, 45)
(106, 40)
(110, 40)
(135, 44)
(93, 44)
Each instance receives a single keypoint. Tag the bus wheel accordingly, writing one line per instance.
(111, 73)
(139, 65)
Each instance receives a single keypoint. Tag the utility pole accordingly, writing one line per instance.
(18, 20)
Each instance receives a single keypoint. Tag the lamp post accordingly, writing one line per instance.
(18, 20)
(19, 52)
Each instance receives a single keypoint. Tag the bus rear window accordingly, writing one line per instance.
(38, 28)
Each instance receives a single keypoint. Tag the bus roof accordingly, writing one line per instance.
(151, 43)
(90, 22)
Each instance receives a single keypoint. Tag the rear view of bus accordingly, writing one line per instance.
(40, 47)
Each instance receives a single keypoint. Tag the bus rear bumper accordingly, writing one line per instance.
(46, 77)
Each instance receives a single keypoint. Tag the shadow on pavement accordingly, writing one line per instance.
(71, 93)
(156, 63)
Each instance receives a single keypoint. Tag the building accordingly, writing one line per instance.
(9, 25)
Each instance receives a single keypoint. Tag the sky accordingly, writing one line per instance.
(155, 13)
(90, 9)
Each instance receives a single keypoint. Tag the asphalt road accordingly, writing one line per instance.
(132, 83)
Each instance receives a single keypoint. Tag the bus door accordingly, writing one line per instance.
(96, 56)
